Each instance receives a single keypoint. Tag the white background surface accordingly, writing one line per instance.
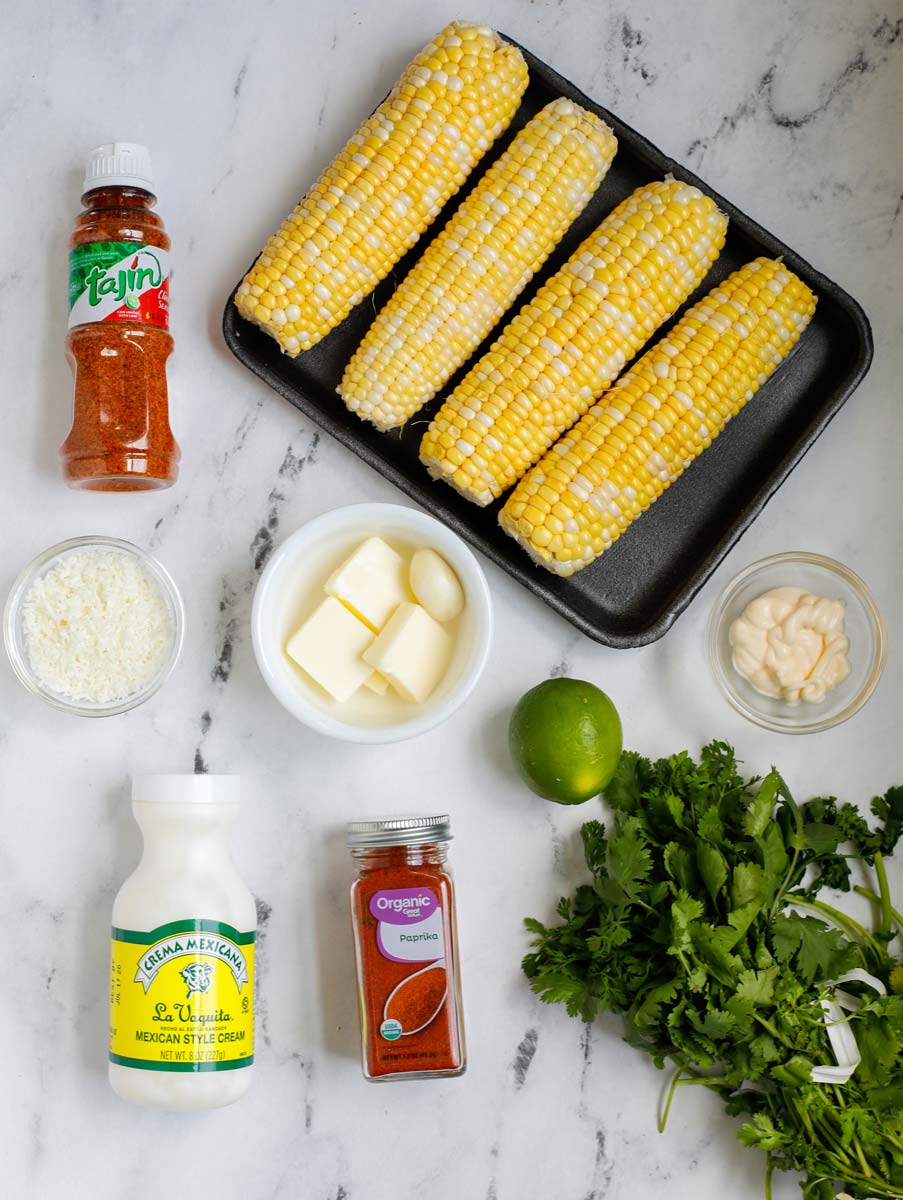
(791, 109)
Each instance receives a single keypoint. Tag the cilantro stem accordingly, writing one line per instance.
(874, 1185)
(896, 916)
(830, 1128)
(857, 1147)
(790, 875)
(687, 1076)
(663, 1119)
(769, 1171)
(831, 1142)
(884, 893)
(807, 1123)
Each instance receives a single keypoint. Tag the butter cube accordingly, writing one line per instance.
(412, 652)
(329, 645)
(377, 683)
(372, 582)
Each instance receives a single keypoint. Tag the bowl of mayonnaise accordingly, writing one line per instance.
(796, 642)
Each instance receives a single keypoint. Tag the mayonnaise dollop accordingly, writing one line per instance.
(791, 645)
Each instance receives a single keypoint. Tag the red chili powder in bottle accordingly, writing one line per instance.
(405, 937)
(119, 340)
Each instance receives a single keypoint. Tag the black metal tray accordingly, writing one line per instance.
(633, 593)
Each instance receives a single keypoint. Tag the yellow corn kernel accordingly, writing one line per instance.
(609, 483)
(375, 199)
(577, 334)
(479, 264)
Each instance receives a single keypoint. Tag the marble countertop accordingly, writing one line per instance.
(791, 109)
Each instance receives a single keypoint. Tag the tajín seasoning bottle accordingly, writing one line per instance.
(119, 340)
(405, 937)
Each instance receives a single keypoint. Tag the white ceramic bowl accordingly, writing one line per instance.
(14, 630)
(864, 626)
(291, 587)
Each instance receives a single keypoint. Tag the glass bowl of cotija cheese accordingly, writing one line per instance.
(94, 626)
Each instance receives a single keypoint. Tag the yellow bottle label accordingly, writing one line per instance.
(182, 997)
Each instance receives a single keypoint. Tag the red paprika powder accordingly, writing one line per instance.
(405, 937)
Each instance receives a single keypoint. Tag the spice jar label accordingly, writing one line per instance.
(409, 924)
(119, 281)
(182, 997)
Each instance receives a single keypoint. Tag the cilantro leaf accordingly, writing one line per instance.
(713, 868)
(679, 865)
(710, 827)
(748, 885)
(743, 918)
(595, 845)
(820, 837)
(684, 911)
(713, 945)
(624, 792)
(758, 814)
(817, 950)
(775, 859)
(758, 986)
(715, 1025)
(867, 841)
(628, 862)
(688, 930)
(889, 810)
(878, 1046)
(647, 1011)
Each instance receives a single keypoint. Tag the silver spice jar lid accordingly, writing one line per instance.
(399, 831)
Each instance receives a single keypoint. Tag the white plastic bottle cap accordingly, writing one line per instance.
(119, 164)
(185, 789)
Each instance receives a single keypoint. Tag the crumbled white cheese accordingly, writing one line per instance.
(97, 627)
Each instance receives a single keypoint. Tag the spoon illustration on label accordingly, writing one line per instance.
(415, 1002)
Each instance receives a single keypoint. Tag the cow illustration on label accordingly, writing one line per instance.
(197, 976)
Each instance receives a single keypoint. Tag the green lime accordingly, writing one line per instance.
(565, 740)
(132, 300)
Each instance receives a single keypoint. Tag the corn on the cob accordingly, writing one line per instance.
(385, 187)
(479, 264)
(568, 344)
(648, 428)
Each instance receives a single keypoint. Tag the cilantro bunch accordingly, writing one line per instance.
(704, 927)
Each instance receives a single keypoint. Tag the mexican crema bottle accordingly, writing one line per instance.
(182, 960)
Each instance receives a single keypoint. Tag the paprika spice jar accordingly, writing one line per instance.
(405, 938)
(119, 340)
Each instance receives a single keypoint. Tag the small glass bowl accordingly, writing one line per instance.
(864, 627)
(14, 630)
